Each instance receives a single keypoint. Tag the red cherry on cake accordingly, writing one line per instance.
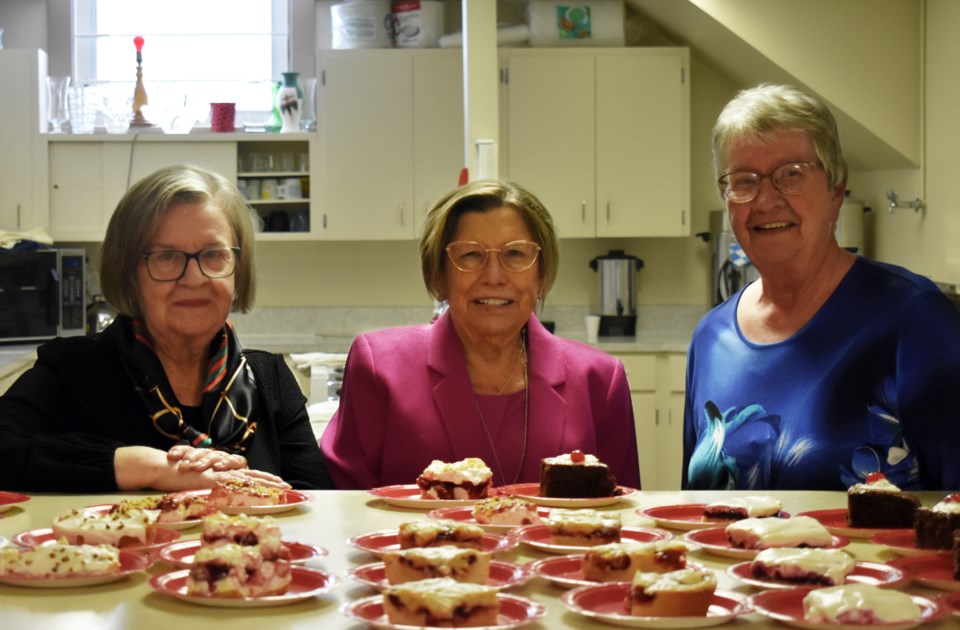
(952, 498)
(577, 456)
(875, 476)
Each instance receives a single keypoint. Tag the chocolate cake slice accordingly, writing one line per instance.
(935, 526)
(879, 503)
(576, 475)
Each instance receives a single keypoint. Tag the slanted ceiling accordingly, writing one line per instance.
(863, 57)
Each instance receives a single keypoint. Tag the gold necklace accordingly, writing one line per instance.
(526, 414)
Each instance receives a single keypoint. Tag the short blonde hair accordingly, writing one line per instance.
(135, 221)
(482, 196)
(766, 109)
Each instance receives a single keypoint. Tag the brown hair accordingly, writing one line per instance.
(140, 211)
(481, 196)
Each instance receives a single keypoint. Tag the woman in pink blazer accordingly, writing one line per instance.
(486, 379)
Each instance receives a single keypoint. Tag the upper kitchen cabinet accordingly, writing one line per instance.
(89, 174)
(602, 137)
(390, 139)
(23, 168)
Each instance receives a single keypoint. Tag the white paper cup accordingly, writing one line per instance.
(592, 323)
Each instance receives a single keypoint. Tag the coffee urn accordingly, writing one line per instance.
(618, 293)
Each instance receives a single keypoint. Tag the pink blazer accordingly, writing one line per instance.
(407, 399)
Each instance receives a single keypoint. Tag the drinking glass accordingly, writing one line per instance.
(57, 112)
(308, 116)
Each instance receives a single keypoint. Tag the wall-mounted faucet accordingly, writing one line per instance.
(895, 202)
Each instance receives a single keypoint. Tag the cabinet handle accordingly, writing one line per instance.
(324, 220)
(19, 227)
(608, 212)
(400, 211)
(583, 212)
(656, 417)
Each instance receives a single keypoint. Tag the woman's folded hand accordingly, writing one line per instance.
(186, 468)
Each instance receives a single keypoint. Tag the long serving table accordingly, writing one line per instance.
(329, 521)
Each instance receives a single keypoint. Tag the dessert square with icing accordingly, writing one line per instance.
(684, 593)
(232, 570)
(442, 602)
(432, 533)
(506, 510)
(172, 508)
(419, 563)
(244, 493)
(60, 560)
(125, 528)
(735, 508)
(618, 562)
(859, 604)
(827, 567)
(583, 527)
(469, 478)
(761, 533)
(248, 531)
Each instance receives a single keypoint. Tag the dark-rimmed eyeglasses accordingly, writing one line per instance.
(168, 265)
(792, 178)
(514, 256)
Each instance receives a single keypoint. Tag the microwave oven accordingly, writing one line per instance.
(42, 294)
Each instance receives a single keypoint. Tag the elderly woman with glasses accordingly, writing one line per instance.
(486, 379)
(830, 367)
(165, 397)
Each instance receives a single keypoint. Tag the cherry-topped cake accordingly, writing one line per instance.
(879, 503)
(936, 525)
(576, 475)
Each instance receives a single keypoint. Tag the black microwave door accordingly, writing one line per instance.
(29, 286)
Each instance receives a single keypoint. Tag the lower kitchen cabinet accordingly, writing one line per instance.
(657, 386)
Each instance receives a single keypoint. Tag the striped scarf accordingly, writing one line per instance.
(229, 391)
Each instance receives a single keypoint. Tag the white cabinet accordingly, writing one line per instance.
(88, 175)
(23, 157)
(657, 384)
(391, 135)
(602, 137)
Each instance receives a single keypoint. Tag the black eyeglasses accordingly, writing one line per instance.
(514, 256)
(169, 265)
(792, 178)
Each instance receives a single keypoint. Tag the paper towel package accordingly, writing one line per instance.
(417, 23)
(573, 23)
(362, 24)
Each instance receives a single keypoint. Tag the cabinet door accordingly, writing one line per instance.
(22, 161)
(438, 146)
(646, 421)
(365, 128)
(642, 153)
(78, 209)
(550, 122)
(670, 436)
(147, 157)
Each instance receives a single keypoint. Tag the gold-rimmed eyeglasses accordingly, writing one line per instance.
(169, 265)
(792, 178)
(514, 256)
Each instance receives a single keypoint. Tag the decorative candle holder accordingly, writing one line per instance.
(139, 92)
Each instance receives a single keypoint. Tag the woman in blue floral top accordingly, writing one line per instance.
(830, 366)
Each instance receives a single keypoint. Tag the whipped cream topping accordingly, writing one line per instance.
(471, 469)
(443, 595)
(585, 520)
(947, 507)
(859, 603)
(567, 460)
(684, 579)
(833, 563)
(879, 485)
(779, 532)
(60, 560)
(752, 505)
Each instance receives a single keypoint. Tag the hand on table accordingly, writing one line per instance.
(200, 459)
(186, 468)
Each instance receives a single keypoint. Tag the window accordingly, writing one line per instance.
(195, 51)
